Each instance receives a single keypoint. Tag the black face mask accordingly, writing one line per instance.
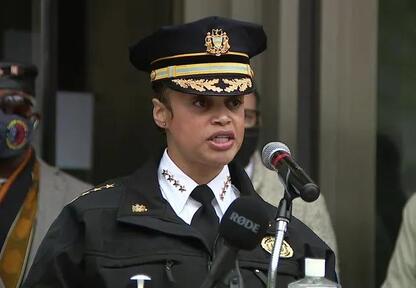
(251, 138)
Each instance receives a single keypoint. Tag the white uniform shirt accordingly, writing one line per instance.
(176, 188)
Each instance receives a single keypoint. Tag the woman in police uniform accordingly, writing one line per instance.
(142, 226)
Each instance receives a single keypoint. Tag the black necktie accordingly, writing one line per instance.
(205, 219)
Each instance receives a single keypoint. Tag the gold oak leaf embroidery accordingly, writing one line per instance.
(240, 84)
(200, 85)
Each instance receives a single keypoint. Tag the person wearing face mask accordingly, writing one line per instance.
(32, 193)
(267, 184)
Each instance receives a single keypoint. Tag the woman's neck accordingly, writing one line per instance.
(200, 173)
(204, 175)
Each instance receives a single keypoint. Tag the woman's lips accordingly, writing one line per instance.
(222, 140)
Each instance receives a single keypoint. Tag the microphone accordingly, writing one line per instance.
(276, 157)
(243, 226)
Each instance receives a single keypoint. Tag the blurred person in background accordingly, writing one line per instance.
(32, 193)
(267, 183)
(402, 267)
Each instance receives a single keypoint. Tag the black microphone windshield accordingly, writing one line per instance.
(244, 223)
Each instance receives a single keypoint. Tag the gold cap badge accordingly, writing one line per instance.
(268, 244)
(216, 42)
(138, 208)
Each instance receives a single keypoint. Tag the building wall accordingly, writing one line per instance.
(348, 132)
(124, 132)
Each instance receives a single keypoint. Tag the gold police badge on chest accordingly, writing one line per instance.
(267, 243)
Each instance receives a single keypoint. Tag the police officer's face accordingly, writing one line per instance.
(204, 131)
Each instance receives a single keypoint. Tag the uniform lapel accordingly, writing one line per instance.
(142, 204)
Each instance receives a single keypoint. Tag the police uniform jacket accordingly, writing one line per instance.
(126, 228)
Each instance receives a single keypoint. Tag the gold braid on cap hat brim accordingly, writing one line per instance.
(222, 68)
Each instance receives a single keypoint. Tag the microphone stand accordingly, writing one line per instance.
(283, 216)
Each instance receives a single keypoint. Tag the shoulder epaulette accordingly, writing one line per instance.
(95, 189)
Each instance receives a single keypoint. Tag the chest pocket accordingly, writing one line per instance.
(164, 270)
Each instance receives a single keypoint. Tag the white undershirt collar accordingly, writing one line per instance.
(176, 187)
